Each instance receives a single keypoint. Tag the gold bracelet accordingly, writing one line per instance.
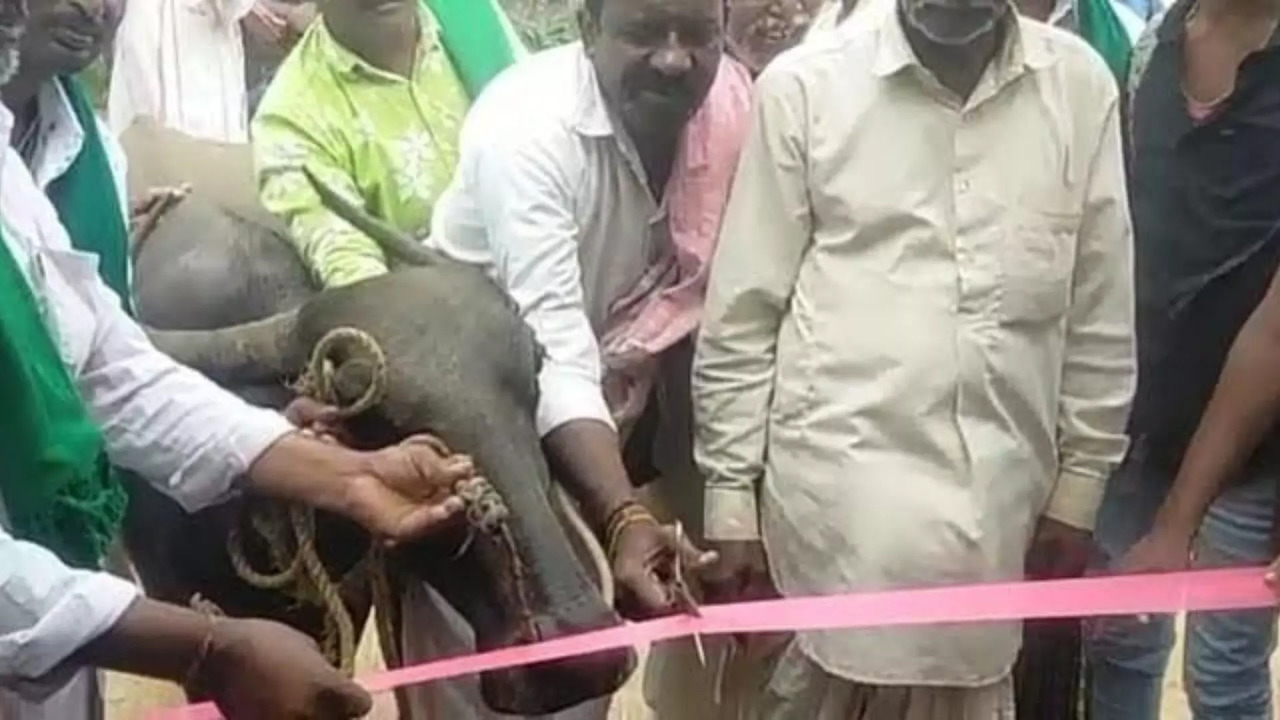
(628, 514)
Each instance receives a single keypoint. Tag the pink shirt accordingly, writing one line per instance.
(665, 306)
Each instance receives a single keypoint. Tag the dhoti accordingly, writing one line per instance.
(801, 690)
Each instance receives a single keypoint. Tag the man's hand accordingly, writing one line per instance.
(406, 490)
(1058, 551)
(1163, 550)
(147, 210)
(1273, 576)
(644, 567)
(742, 573)
(262, 669)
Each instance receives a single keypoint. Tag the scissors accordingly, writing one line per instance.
(683, 597)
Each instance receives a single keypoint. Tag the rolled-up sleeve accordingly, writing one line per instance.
(763, 239)
(1099, 366)
(335, 251)
(162, 420)
(525, 202)
(48, 611)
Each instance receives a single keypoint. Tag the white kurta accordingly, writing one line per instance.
(182, 63)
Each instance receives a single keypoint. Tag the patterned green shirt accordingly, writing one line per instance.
(388, 141)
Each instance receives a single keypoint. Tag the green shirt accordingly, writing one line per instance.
(387, 142)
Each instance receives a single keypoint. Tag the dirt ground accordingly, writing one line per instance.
(130, 698)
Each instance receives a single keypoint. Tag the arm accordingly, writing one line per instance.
(55, 620)
(763, 239)
(1242, 411)
(48, 610)
(336, 252)
(1098, 365)
(526, 205)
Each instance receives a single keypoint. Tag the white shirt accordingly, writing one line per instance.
(918, 335)
(59, 139)
(182, 63)
(164, 421)
(553, 202)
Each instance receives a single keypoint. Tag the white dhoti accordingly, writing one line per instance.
(801, 690)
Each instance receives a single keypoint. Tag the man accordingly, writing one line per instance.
(79, 382)
(758, 30)
(372, 103)
(1204, 175)
(182, 63)
(68, 150)
(1110, 26)
(920, 380)
(596, 207)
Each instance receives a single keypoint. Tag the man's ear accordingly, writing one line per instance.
(588, 29)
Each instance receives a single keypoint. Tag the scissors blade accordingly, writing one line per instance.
(683, 597)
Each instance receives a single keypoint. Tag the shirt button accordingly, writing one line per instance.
(963, 186)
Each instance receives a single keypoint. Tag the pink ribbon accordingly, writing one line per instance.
(1233, 589)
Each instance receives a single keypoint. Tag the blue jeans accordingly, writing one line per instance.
(1227, 655)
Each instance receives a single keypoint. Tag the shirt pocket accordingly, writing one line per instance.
(1037, 260)
(68, 276)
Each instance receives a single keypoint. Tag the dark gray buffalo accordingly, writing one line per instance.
(433, 347)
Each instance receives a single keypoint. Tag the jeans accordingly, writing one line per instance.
(1227, 654)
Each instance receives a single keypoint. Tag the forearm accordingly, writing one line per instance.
(586, 457)
(48, 611)
(1243, 409)
(304, 469)
(151, 639)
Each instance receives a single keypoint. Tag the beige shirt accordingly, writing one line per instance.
(919, 331)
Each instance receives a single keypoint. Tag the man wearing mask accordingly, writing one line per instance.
(82, 388)
(921, 380)
(590, 184)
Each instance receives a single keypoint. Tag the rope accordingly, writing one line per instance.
(301, 573)
(290, 538)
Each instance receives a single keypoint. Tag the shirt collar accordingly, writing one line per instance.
(349, 63)
(893, 53)
(59, 137)
(591, 116)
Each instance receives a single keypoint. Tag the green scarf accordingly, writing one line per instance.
(87, 202)
(59, 490)
(478, 38)
(1100, 26)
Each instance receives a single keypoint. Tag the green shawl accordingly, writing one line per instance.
(1100, 26)
(87, 201)
(59, 489)
(478, 38)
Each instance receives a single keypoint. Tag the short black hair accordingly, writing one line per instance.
(593, 8)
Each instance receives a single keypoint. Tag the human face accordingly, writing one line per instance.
(13, 20)
(655, 60)
(954, 23)
(65, 36)
(761, 29)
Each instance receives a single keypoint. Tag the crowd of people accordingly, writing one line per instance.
(866, 294)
